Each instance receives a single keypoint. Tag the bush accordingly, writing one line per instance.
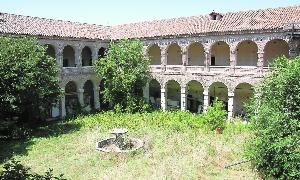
(215, 117)
(15, 170)
(275, 119)
(126, 71)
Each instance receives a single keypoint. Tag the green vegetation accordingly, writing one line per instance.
(125, 70)
(177, 146)
(29, 81)
(275, 114)
(216, 115)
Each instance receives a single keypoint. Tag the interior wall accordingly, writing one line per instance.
(242, 95)
(154, 55)
(86, 55)
(221, 52)
(247, 54)
(220, 91)
(69, 55)
(196, 56)
(274, 49)
(195, 97)
(174, 55)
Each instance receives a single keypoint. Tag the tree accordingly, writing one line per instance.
(28, 78)
(275, 118)
(125, 70)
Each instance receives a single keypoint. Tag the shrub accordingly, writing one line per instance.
(125, 70)
(15, 170)
(215, 117)
(275, 119)
(29, 81)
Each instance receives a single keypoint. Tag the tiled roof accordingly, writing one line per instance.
(266, 19)
(18, 24)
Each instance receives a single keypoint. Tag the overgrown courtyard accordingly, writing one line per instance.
(177, 146)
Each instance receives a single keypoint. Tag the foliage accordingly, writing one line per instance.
(125, 70)
(275, 117)
(29, 81)
(215, 117)
(15, 170)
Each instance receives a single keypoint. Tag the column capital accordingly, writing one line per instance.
(163, 90)
(80, 90)
(205, 92)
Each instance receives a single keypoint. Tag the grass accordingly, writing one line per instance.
(177, 146)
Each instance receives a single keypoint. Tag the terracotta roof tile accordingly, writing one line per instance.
(266, 19)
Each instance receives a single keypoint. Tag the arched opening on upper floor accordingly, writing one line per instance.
(273, 49)
(242, 95)
(220, 54)
(154, 54)
(218, 90)
(196, 56)
(69, 57)
(88, 96)
(173, 95)
(50, 51)
(247, 53)
(71, 98)
(86, 55)
(101, 52)
(155, 93)
(174, 56)
(195, 96)
(104, 105)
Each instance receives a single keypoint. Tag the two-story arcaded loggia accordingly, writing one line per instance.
(193, 59)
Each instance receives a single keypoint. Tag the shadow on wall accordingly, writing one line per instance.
(10, 148)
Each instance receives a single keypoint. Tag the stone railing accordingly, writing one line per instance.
(174, 69)
(77, 70)
(245, 69)
(194, 69)
(219, 68)
(155, 68)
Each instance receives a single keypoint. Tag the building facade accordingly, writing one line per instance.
(193, 59)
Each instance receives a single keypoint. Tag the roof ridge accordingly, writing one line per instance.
(206, 15)
(51, 19)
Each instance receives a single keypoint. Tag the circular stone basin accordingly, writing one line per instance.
(118, 131)
(108, 145)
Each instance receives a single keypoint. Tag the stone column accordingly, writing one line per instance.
(205, 100)
(95, 54)
(207, 60)
(80, 97)
(233, 59)
(163, 59)
(163, 99)
(260, 61)
(59, 55)
(292, 48)
(184, 60)
(78, 58)
(183, 98)
(146, 92)
(63, 107)
(230, 105)
(96, 98)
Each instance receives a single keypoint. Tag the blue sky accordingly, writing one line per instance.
(112, 12)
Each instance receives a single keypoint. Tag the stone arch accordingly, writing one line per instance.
(154, 54)
(155, 93)
(71, 97)
(88, 95)
(218, 90)
(101, 52)
(173, 94)
(247, 53)
(196, 56)
(68, 56)
(50, 50)
(275, 48)
(86, 55)
(174, 54)
(195, 96)
(220, 54)
(243, 92)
